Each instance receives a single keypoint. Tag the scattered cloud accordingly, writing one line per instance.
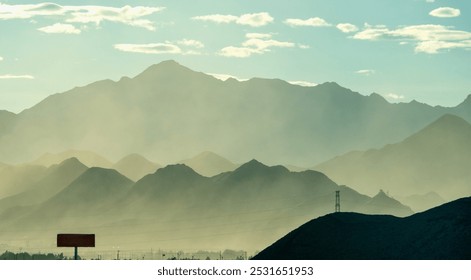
(430, 1)
(445, 12)
(303, 83)
(347, 27)
(191, 43)
(158, 48)
(433, 47)
(239, 52)
(264, 45)
(316, 22)
(256, 43)
(365, 72)
(9, 77)
(60, 28)
(224, 77)
(1, 58)
(254, 20)
(428, 38)
(184, 47)
(393, 96)
(132, 16)
(304, 47)
(258, 35)
(217, 18)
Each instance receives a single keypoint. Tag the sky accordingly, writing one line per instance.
(402, 49)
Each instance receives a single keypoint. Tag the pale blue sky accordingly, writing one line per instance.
(401, 49)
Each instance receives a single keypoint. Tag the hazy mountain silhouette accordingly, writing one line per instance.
(135, 166)
(422, 202)
(56, 178)
(209, 164)
(437, 158)
(440, 233)
(15, 179)
(88, 158)
(384, 204)
(254, 197)
(172, 112)
(177, 206)
(91, 194)
(7, 121)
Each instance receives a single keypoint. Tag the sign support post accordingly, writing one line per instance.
(75, 240)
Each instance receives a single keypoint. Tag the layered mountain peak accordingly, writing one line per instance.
(448, 128)
(209, 164)
(102, 175)
(168, 69)
(135, 166)
(257, 169)
(176, 171)
(448, 120)
(73, 161)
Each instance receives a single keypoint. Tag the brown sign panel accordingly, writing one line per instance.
(75, 240)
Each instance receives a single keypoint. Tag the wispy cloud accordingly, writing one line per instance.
(60, 28)
(428, 38)
(303, 83)
(254, 20)
(393, 96)
(258, 35)
(128, 15)
(217, 18)
(445, 12)
(10, 77)
(366, 72)
(224, 77)
(158, 48)
(347, 27)
(256, 43)
(1, 58)
(315, 22)
(184, 46)
(239, 52)
(191, 43)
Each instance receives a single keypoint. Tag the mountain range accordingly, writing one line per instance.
(435, 159)
(175, 206)
(442, 233)
(169, 112)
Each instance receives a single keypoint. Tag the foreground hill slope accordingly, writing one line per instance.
(443, 232)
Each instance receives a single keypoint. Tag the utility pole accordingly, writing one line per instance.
(337, 201)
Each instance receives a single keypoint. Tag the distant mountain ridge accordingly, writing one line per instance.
(435, 159)
(209, 164)
(177, 203)
(171, 112)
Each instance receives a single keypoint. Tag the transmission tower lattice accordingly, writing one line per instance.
(337, 201)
